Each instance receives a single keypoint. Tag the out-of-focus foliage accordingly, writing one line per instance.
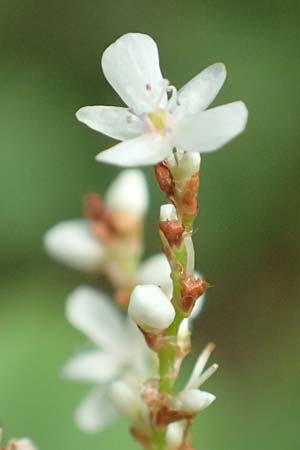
(247, 237)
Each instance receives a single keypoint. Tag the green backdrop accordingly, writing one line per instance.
(247, 237)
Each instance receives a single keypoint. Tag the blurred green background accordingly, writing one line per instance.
(247, 237)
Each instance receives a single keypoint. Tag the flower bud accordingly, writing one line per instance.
(193, 400)
(150, 308)
(126, 399)
(168, 212)
(128, 193)
(175, 434)
(170, 226)
(184, 165)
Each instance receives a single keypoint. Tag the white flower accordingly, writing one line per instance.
(153, 124)
(150, 308)
(191, 399)
(72, 242)
(119, 352)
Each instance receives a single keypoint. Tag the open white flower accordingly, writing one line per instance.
(73, 243)
(153, 125)
(119, 352)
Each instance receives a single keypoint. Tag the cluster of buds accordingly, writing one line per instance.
(178, 178)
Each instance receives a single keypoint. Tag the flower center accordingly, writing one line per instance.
(159, 120)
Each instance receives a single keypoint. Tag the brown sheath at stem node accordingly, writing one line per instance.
(173, 230)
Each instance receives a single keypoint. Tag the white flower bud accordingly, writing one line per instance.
(73, 244)
(183, 165)
(193, 400)
(150, 308)
(128, 193)
(168, 212)
(175, 435)
(126, 399)
(157, 270)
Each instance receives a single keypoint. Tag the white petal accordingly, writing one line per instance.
(131, 66)
(167, 212)
(200, 92)
(94, 314)
(126, 399)
(198, 307)
(92, 366)
(135, 352)
(73, 244)
(156, 270)
(175, 434)
(95, 412)
(194, 400)
(211, 129)
(128, 193)
(118, 123)
(145, 150)
(150, 308)
(183, 165)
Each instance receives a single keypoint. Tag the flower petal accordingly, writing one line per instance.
(131, 66)
(95, 412)
(129, 184)
(93, 366)
(93, 313)
(72, 243)
(144, 150)
(199, 93)
(116, 122)
(209, 130)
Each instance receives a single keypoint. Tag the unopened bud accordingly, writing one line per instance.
(169, 224)
(128, 193)
(168, 212)
(184, 165)
(150, 308)
(175, 435)
(193, 400)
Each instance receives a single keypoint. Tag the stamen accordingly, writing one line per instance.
(148, 87)
(206, 375)
(173, 102)
(200, 364)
